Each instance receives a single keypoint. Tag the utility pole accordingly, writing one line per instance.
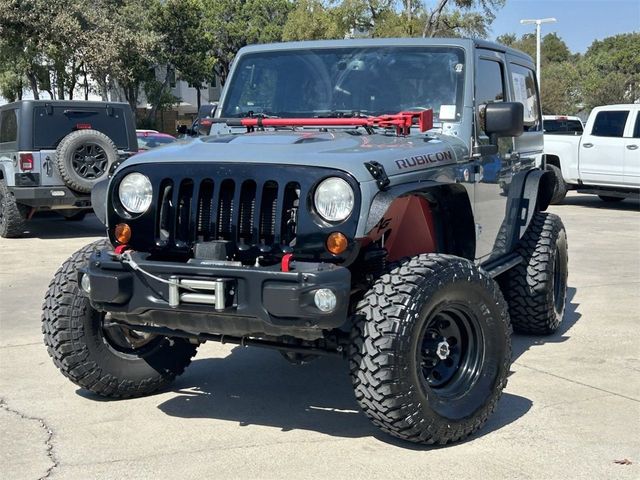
(538, 22)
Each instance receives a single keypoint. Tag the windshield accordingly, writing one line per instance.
(347, 82)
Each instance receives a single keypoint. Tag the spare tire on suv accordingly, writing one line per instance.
(83, 158)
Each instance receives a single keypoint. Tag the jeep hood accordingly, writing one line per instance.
(343, 150)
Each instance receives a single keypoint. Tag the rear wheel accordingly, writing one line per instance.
(84, 157)
(13, 216)
(536, 289)
(560, 187)
(431, 349)
(608, 199)
(95, 353)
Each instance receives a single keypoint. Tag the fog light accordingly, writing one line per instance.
(85, 283)
(337, 243)
(325, 300)
(122, 233)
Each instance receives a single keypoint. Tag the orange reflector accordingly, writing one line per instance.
(122, 233)
(337, 243)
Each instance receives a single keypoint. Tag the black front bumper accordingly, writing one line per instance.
(53, 197)
(258, 300)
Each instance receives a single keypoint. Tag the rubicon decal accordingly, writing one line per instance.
(426, 159)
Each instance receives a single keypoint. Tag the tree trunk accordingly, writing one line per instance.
(151, 115)
(86, 84)
(33, 81)
(434, 18)
(73, 80)
(60, 78)
(198, 97)
(103, 88)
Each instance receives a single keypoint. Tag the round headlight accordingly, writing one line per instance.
(334, 199)
(135, 193)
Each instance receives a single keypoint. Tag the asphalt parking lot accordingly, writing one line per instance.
(571, 408)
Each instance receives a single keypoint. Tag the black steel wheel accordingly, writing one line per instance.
(451, 350)
(97, 354)
(431, 349)
(90, 161)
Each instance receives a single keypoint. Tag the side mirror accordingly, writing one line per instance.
(504, 119)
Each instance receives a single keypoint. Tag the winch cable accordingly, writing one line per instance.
(126, 258)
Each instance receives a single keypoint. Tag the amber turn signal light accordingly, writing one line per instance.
(122, 233)
(337, 243)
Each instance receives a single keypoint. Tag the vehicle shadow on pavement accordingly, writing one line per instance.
(592, 201)
(258, 387)
(520, 343)
(50, 225)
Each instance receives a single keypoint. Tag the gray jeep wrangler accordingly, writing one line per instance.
(53, 152)
(380, 200)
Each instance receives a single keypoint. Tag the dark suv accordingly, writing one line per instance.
(53, 152)
(380, 200)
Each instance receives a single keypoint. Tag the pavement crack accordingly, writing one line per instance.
(21, 345)
(578, 382)
(48, 443)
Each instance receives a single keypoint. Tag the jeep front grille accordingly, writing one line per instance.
(248, 213)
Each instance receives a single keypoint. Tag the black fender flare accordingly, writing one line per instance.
(99, 200)
(383, 199)
(453, 209)
(529, 192)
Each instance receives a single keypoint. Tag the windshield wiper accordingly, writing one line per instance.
(345, 114)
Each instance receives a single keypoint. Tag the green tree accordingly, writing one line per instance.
(182, 49)
(313, 20)
(610, 71)
(552, 47)
(231, 24)
(561, 92)
(460, 17)
(120, 46)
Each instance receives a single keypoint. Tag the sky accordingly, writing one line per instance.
(580, 22)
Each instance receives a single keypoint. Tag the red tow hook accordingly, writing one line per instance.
(285, 265)
(120, 249)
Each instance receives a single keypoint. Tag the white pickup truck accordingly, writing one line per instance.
(604, 160)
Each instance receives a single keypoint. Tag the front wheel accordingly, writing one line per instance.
(431, 349)
(100, 355)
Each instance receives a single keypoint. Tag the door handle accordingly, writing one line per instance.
(587, 145)
(632, 147)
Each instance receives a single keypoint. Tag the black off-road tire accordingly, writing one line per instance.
(392, 323)
(536, 289)
(98, 143)
(608, 199)
(76, 341)
(13, 216)
(560, 187)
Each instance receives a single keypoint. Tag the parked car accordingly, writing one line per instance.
(202, 124)
(604, 160)
(149, 139)
(53, 152)
(350, 218)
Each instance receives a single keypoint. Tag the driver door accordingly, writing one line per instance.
(493, 173)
